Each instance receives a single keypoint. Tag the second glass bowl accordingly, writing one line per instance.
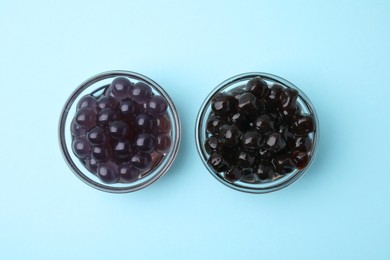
(249, 185)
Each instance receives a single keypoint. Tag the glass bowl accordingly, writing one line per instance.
(97, 85)
(201, 133)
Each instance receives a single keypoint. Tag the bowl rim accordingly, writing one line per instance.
(234, 80)
(168, 160)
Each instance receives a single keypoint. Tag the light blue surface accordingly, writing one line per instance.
(337, 52)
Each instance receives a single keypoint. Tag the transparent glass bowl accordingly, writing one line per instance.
(201, 133)
(97, 85)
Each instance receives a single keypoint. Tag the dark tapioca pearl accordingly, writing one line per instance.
(245, 159)
(214, 124)
(265, 153)
(118, 129)
(144, 122)
(284, 130)
(163, 143)
(81, 147)
(127, 173)
(217, 163)
(107, 102)
(264, 124)
(238, 91)
(87, 101)
(273, 98)
(162, 125)
(212, 144)
(302, 143)
(251, 140)
(97, 136)
(233, 174)
(122, 149)
(283, 164)
(100, 153)
(264, 171)
(287, 114)
(275, 142)
(121, 87)
(128, 108)
(288, 99)
(141, 161)
(156, 106)
(223, 104)
(86, 118)
(300, 159)
(91, 164)
(108, 172)
(141, 92)
(106, 116)
(247, 104)
(303, 125)
(230, 135)
(229, 155)
(76, 130)
(144, 142)
(258, 87)
(242, 121)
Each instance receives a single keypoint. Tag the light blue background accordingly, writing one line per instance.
(337, 52)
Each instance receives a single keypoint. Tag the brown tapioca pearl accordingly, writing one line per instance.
(247, 104)
(242, 121)
(238, 91)
(223, 104)
(264, 171)
(162, 124)
(273, 97)
(127, 173)
(76, 130)
(214, 124)
(106, 116)
(251, 140)
(212, 144)
(283, 164)
(265, 154)
(301, 143)
(128, 108)
(87, 101)
(121, 88)
(258, 87)
(107, 102)
(245, 159)
(144, 122)
(141, 161)
(163, 143)
(85, 118)
(303, 124)
(275, 142)
(81, 147)
(264, 124)
(288, 99)
(141, 92)
(91, 164)
(156, 106)
(300, 159)
(233, 174)
(100, 153)
(285, 132)
(108, 172)
(230, 135)
(217, 162)
(144, 142)
(122, 149)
